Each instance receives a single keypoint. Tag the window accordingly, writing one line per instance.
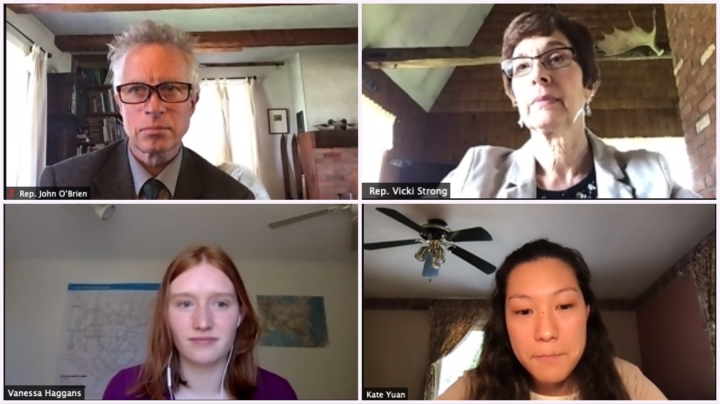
(17, 134)
(673, 149)
(224, 112)
(464, 357)
(206, 134)
(377, 138)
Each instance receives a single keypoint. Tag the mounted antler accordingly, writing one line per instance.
(621, 41)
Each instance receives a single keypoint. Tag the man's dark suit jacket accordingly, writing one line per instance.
(107, 173)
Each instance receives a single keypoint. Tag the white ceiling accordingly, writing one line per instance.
(627, 247)
(421, 25)
(150, 232)
(216, 19)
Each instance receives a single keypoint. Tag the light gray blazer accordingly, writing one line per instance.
(499, 172)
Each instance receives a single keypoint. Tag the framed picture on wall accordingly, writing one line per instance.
(278, 122)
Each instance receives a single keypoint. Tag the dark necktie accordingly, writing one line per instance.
(153, 189)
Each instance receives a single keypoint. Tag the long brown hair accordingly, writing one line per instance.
(501, 376)
(242, 371)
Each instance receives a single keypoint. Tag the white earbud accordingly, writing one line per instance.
(169, 377)
(222, 381)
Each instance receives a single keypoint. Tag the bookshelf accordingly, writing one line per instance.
(82, 113)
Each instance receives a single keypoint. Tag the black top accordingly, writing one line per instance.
(585, 189)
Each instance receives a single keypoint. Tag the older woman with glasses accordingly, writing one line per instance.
(551, 76)
(155, 78)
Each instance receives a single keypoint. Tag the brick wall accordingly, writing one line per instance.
(692, 40)
(410, 122)
(337, 170)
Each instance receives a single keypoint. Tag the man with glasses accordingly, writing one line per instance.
(155, 78)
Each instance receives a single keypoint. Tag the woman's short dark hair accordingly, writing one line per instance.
(500, 375)
(544, 21)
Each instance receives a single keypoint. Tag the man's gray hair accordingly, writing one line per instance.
(151, 32)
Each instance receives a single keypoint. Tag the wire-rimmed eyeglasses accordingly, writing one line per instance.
(138, 93)
(552, 60)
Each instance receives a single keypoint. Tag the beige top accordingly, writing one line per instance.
(637, 385)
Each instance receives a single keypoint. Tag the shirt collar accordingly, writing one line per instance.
(168, 176)
(609, 176)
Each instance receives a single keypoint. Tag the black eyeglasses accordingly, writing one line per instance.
(552, 60)
(138, 93)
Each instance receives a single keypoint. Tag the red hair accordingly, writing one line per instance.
(242, 371)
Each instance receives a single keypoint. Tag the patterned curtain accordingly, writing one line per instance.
(449, 324)
(702, 266)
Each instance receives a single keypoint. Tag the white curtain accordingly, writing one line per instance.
(206, 134)
(36, 109)
(17, 82)
(226, 149)
(222, 130)
(244, 146)
(27, 118)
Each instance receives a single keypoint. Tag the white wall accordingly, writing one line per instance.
(273, 91)
(298, 103)
(330, 80)
(59, 62)
(298, 88)
(323, 84)
(36, 290)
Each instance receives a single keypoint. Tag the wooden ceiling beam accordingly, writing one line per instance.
(438, 57)
(104, 8)
(228, 41)
(244, 64)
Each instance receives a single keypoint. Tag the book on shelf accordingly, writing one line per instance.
(102, 101)
(98, 133)
(94, 77)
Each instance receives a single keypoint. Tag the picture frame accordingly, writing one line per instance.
(278, 121)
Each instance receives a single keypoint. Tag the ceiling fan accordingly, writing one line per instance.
(332, 209)
(436, 237)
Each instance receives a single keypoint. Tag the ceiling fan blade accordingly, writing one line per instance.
(300, 218)
(472, 259)
(390, 244)
(402, 219)
(473, 234)
(354, 238)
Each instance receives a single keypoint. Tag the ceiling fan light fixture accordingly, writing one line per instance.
(439, 238)
(422, 253)
(429, 269)
(438, 252)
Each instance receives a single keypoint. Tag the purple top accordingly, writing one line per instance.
(269, 386)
